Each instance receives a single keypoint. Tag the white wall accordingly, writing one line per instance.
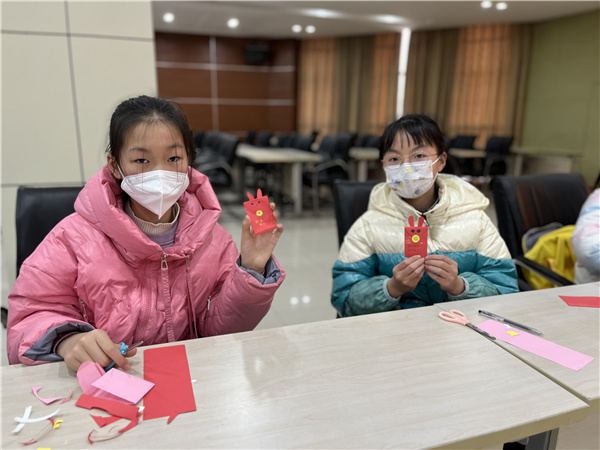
(65, 66)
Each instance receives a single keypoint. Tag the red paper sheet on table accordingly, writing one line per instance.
(172, 394)
(591, 302)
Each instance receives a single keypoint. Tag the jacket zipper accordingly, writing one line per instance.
(164, 268)
(84, 311)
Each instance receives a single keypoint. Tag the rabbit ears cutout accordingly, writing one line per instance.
(411, 220)
(259, 194)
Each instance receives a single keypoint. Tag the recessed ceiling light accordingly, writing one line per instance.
(388, 18)
(233, 22)
(322, 13)
(296, 28)
(310, 29)
(501, 5)
(486, 4)
(169, 17)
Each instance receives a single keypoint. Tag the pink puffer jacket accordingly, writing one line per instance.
(97, 267)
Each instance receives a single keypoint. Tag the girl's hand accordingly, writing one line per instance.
(406, 276)
(256, 250)
(93, 346)
(445, 271)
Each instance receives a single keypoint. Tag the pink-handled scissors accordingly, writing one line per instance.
(459, 317)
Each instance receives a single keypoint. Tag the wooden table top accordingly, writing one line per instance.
(261, 155)
(403, 379)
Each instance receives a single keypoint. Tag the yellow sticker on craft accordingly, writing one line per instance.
(57, 423)
(513, 333)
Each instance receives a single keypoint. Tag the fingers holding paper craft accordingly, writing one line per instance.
(406, 276)
(260, 232)
(94, 346)
(445, 271)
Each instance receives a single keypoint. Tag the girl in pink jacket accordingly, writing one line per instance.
(142, 258)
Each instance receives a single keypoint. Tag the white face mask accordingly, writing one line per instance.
(157, 190)
(411, 180)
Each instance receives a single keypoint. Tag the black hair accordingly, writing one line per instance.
(149, 110)
(421, 129)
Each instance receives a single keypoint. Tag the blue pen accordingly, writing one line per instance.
(124, 349)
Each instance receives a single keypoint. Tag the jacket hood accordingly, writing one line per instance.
(456, 197)
(101, 203)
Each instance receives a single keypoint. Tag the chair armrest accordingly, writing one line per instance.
(329, 164)
(542, 271)
(214, 165)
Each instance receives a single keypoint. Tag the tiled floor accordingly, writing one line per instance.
(306, 251)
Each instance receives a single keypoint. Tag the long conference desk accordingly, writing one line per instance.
(288, 157)
(402, 379)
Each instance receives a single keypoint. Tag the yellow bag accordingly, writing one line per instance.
(552, 250)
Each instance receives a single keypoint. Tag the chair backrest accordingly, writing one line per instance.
(38, 211)
(227, 146)
(530, 201)
(463, 141)
(303, 142)
(198, 138)
(498, 145)
(285, 140)
(250, 137)
(344, 144)
(351, 200)
(350, 136)
(211, 140)
(263, 139)
(328, 147)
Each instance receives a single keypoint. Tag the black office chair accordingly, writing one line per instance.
(303, 142)
(351, 199)
(532, 201)
(250, 137)
(38, 211)
(263, 139)
(216, 161)
(285, 140)
(465, 165)
(497, 149)
(198, 139)
(334, 166)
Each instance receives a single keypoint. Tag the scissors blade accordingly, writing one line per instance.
(480, 331)
(131, 347)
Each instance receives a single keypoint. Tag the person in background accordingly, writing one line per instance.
(586, 239)
(142, 258)
(466, 257)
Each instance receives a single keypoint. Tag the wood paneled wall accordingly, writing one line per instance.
(218, 90)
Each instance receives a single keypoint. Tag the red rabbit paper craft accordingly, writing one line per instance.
(260, 213)
(415, 238)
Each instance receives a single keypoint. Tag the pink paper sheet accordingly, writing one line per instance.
(125, 386)
(119, 388)
(590, 302)
(536, 345)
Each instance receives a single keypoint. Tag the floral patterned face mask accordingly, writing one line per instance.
(411, 180)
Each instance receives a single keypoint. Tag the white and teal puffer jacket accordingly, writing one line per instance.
(458, 228)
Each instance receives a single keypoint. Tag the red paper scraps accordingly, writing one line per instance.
(172, 394)
(103, 421)
(42, 433)
(114, 408)
(47, 401)
(590, 302)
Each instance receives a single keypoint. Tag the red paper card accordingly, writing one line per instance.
(415, 238)
(172, 394)
(591, 302)
(260, 213)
